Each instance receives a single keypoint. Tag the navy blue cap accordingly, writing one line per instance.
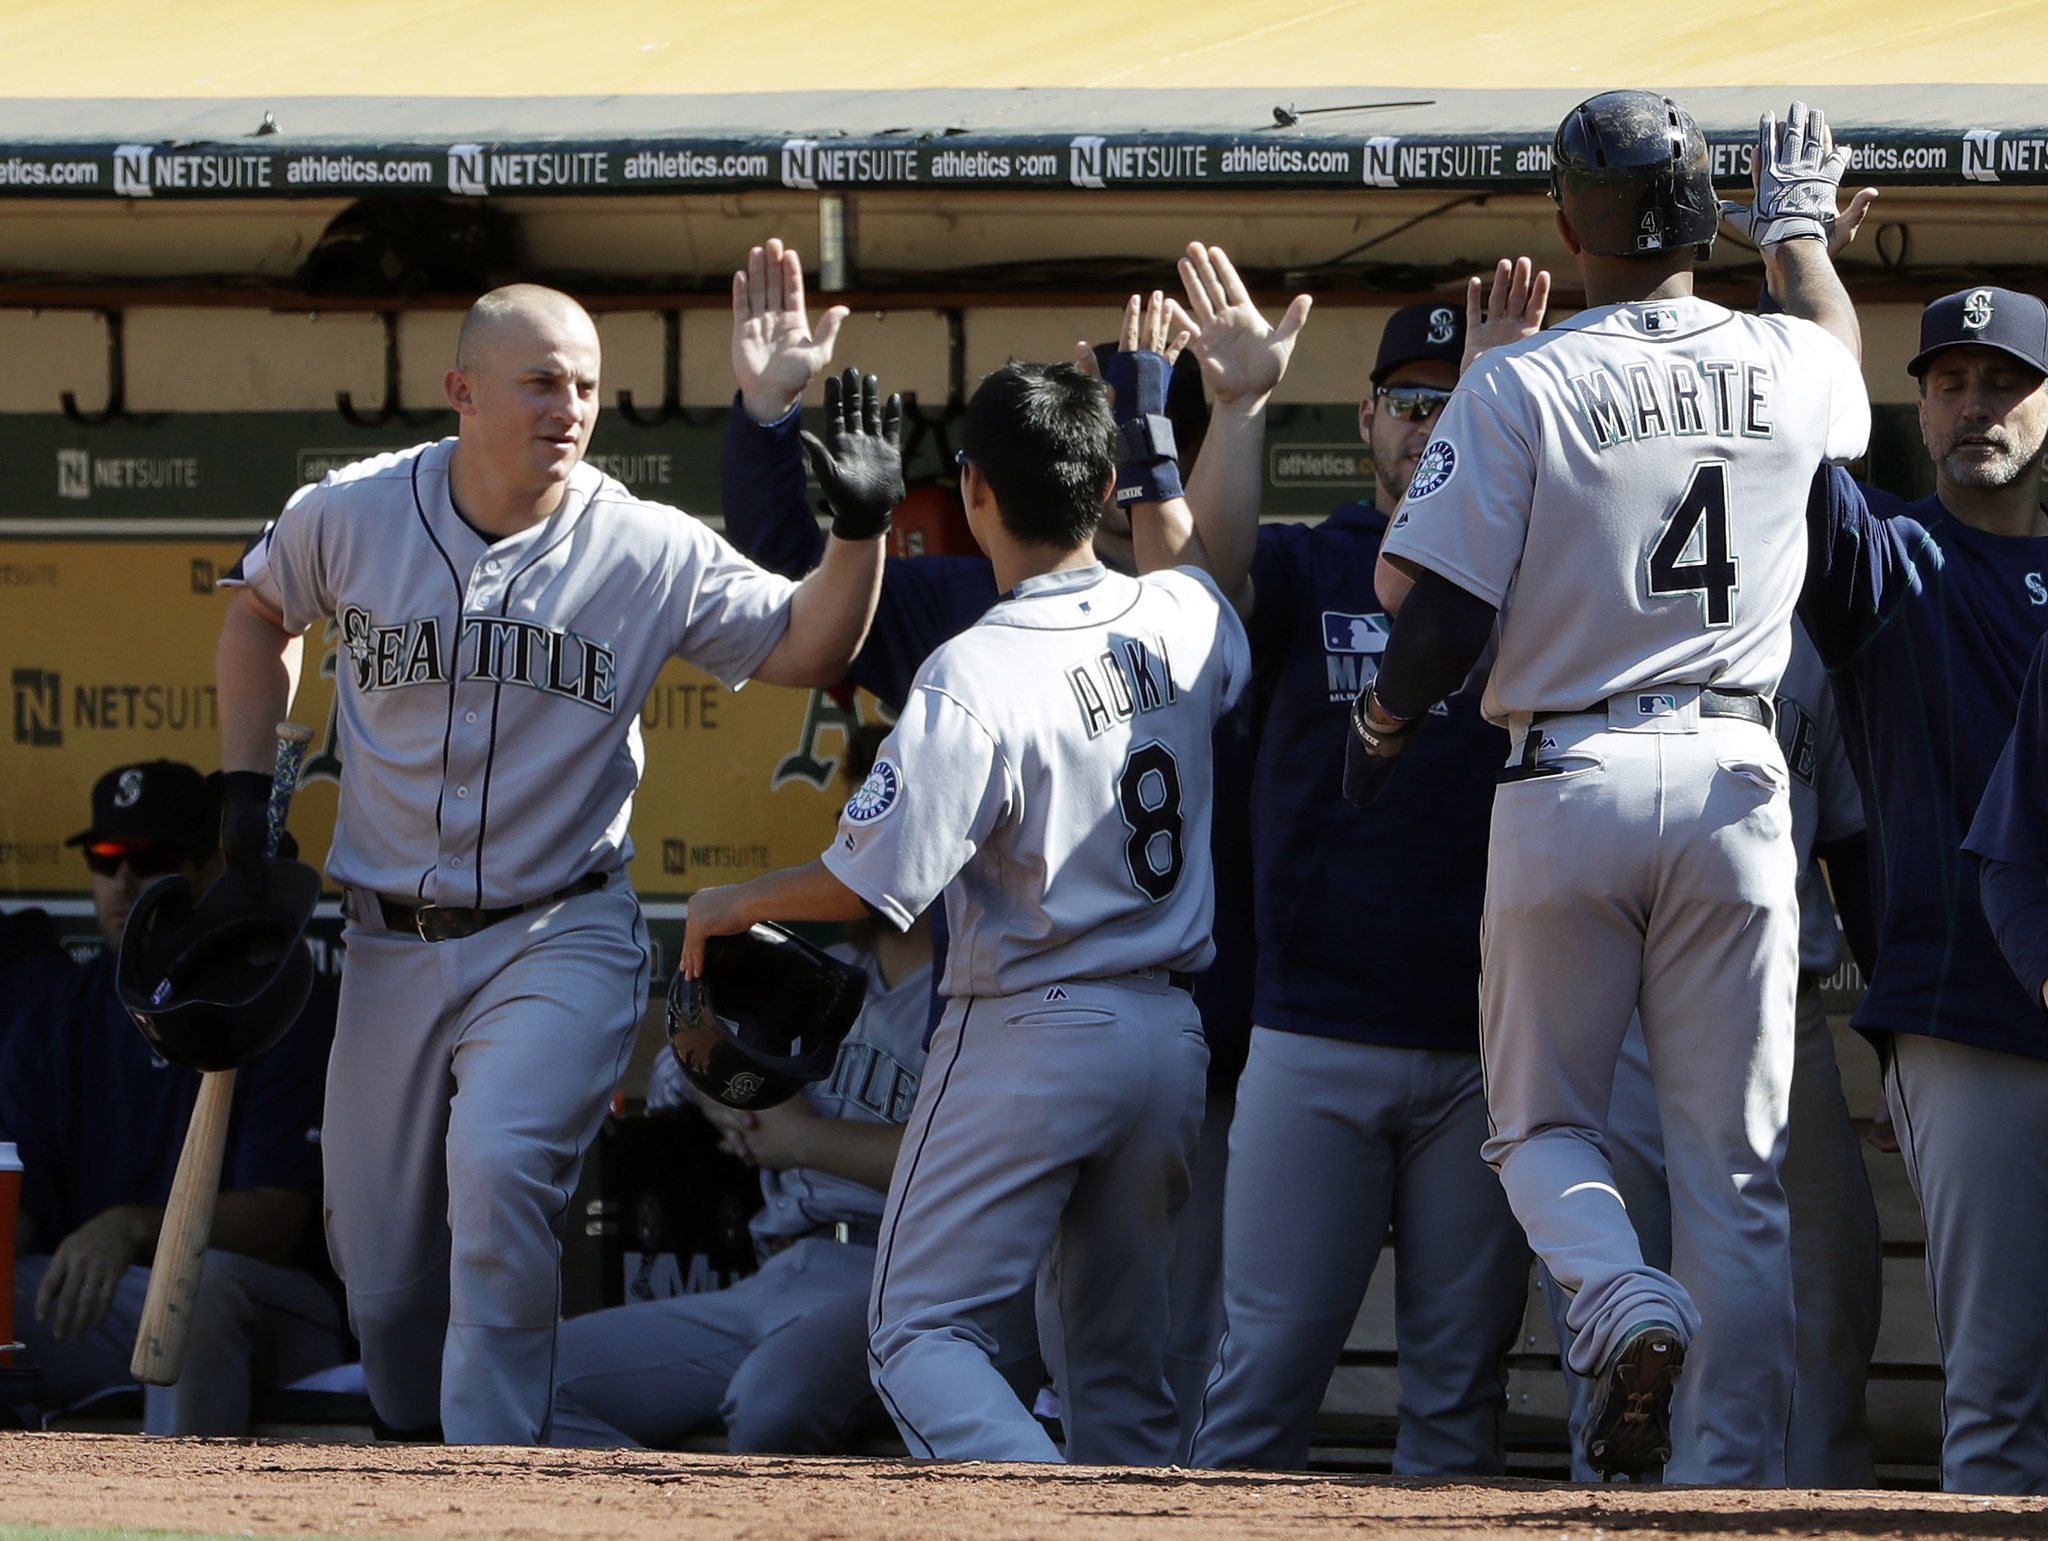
(162, 802)
(1415, 332)
(1984, 318)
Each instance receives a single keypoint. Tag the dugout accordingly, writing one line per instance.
(975, 190)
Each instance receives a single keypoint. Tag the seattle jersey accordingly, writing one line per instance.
(1926, 626)
(1050, 774)
(1628, 490)
(489, 692)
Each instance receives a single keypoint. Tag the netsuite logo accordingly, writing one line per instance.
(466, 170)
(800, 163)
(38, 718)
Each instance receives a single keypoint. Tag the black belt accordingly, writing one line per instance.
(848, 1233)
(445, 923)
(1181, 979)
(1745, 704)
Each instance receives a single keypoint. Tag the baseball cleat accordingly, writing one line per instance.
(1628, 1423)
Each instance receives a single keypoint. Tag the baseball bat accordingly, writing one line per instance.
(159, 1357)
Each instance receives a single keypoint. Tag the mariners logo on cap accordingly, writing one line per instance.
(1442, 326)
(128, 791)
(1976, 310)
(742, 1087)
(1438, 465)
(877, 794)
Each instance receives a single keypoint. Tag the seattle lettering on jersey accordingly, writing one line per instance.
(1130, 676)
(498, 649)
(1722, 398)
(869, 1077)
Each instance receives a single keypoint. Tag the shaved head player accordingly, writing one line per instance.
(502, 609)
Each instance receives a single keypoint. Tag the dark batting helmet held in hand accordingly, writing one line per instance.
(214, 983)
(1631, 173)
(765, 1019)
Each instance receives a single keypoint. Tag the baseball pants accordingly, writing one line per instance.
(779, 1360)
(1837, 1284)
(253, 1324)
(468, 1079)
(1654, 873)
(1195, 1287)
(1969, 1122)
(1056, 1131)
(1333, 1143)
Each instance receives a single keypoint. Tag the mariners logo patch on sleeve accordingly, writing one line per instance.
(1439, 463)
(877, 794)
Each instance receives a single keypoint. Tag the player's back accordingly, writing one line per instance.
(1630, 489)
(1101, 694)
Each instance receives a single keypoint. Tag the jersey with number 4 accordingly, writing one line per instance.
(1629, 490)
(1050, 774)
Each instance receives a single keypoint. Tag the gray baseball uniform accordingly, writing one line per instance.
(488, 699)
(1629, 491)
(1836, 1269)
(780, 1358)
(1049, 773)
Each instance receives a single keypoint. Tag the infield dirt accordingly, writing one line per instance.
(279, 1488)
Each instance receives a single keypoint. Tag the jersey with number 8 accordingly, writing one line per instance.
(1700, 429)
(1055, 755)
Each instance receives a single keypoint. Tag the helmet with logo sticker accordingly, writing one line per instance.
(1630, 171)
(765, 1019)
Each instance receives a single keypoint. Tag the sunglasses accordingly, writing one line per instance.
(1412, 403)
(145, 859)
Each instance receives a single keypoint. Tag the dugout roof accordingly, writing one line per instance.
(196, 98)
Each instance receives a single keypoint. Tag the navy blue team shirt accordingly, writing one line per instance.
(100, 1119)
(1368, 919)
(2010, 836)
(1926, 626)
(928, 599)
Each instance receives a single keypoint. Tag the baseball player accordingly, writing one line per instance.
(780, 1358)
(927, 599)
(1927, 614)
(100, 1120)
(1837, 1283)
(1049, 774)
(1623, 495)
(1361, 1105)
(502, 610)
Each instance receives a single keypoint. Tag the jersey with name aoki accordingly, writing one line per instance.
(1055, 758)
(488, 693)
(1629, 489)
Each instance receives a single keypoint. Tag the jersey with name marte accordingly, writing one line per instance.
(1629, 490)
(489, 693)
(1926, 625)
(1050, 774)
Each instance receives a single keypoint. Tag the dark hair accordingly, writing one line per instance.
(1045, 438)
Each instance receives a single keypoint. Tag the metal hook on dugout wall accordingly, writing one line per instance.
(391, 409)
(670, 408)
(116, 408)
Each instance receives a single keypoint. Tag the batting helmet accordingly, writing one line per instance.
(765, 1018)
(214, 983)
(1629, 169)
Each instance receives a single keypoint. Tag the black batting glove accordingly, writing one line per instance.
(859, 462)
(244, 825)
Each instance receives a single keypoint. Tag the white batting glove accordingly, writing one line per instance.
(1798, 175)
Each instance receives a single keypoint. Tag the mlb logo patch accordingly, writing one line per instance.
(1656, 705)
(1344, 633)
(1660, 319)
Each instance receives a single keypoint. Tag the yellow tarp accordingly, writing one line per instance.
(454, 48)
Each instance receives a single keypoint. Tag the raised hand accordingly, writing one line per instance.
(775, 353)
(859, 462)
(1243, 355)
(1512, 310)
(1797, 173)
